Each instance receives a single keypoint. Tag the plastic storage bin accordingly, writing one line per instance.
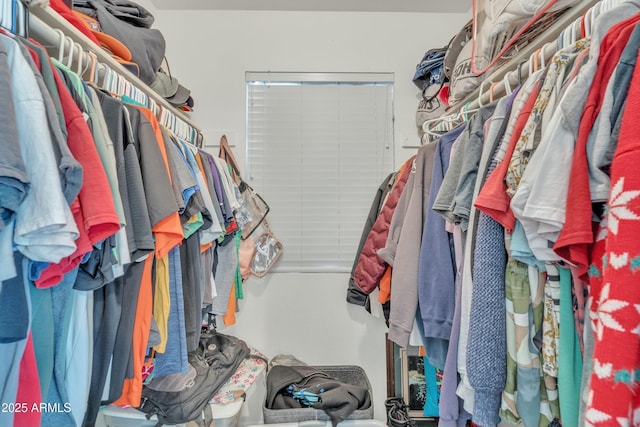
(348, 374)
(318, 423)
(251, 412)
(226, 415)
(115, 416)
(223, 416)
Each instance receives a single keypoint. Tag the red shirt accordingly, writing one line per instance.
(576, 237)
(28, 396)
(615, 306)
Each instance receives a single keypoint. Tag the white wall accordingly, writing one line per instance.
(209, 52)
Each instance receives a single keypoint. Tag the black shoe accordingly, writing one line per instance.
(397, 415)
(394, 401)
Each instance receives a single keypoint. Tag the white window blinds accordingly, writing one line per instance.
(318, 147)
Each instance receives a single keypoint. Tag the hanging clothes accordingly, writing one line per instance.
(522, 193)
(84, 203)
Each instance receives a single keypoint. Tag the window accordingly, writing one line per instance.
(318, 147)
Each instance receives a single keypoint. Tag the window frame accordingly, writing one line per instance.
(334, 79)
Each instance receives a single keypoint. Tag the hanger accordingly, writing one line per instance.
(180, 128)
(63, 55)
(530, 64)
(113, 82)
(72, 47)
(533, 62)
(127, 88)
(507, 85)
(61, 42)
(176, 125)
(560, 39)
(80, 70)
(574, 33)
(89, 72)
(463, 114)
(100, 73)
(109, 81)
(465, 110)
(442, 124)
(162, 116)
(480, 93)
(589, 18)
(493, 85)
(121, 82)
(536, 61)
(186, 131)
(135, 93)
(518, 75)
(173, 120)
(145, 99)
(153, 106)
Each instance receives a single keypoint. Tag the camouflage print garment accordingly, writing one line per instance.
(524, 399)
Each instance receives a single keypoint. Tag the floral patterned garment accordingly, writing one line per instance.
(551, 321)
(529, 139)
(244, 377)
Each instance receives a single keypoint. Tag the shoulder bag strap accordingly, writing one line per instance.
(227, 155)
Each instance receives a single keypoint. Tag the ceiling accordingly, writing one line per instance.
(422, 6)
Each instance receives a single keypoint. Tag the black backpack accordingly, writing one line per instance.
(216, 359)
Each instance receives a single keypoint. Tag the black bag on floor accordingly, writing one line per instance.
(215, 360)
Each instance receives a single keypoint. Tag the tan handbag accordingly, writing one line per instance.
(245, 254)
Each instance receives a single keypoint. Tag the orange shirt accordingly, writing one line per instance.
(132, 388)
(385, 286)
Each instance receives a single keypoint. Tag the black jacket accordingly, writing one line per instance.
(337, 399)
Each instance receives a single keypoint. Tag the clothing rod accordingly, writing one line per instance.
(42, 24)
(547, 41)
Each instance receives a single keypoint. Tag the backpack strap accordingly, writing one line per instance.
(208, 416)
(258, 357)
(227, 155)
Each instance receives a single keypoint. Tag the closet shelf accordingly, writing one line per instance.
(43, 22)
(545, 41)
